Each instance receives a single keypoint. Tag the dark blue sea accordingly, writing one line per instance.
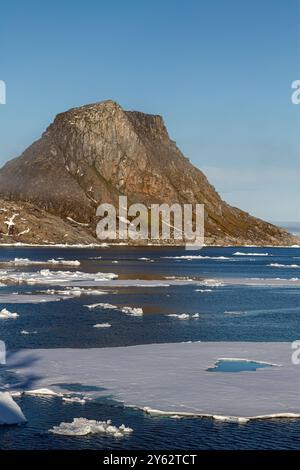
(234, 312)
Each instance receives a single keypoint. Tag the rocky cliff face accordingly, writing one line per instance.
(95, 153)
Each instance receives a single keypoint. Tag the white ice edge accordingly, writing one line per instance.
(237, 419)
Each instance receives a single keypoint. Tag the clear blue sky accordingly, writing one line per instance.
(219, 71)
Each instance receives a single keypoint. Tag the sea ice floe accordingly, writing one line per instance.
(134, 311)
(180, 316)
(15, 298)
(75, 291)
(104, 305)
(25, 332)
(173, 378)
(194, 257)
(102, 325)
(203, 290)
(28, 262)
(6, 314)
(45, 276)
(288, 266)
(240, 253)
(184, 316)
(263, 282)
(83, 427)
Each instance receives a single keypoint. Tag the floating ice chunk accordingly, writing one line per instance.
(184, 316)
(103, 305)
(79, 400)
(83, 427)
(45, 276)
(180, 316)
(6, 314)
(235, 313)
(75, 291)
(212, 283)
(192, 257)
(28, 262)
(288, 266)
(10, 412)
(203, 290)
(135, 311)
(102, 325)
(64, 262)
(240, 253)
(25, 332)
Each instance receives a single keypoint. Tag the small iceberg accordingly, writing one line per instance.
(6, 314)
(83, 427)
(10, 412)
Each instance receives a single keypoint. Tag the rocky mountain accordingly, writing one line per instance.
(97, 152)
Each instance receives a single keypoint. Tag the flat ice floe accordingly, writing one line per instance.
(194, 257)
(74, 292)
(172, 379)
(16, 298)
(241, 253)
(267, 282)
(45, 276)
(102, 325)
(50, 262)
(289, 266)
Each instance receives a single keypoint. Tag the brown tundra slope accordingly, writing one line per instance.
(97, 152)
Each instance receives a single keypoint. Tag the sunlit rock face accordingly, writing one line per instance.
(93, 154)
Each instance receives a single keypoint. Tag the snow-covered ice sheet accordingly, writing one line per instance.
(173, 378)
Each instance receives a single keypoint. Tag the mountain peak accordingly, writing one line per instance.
(93, 153)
